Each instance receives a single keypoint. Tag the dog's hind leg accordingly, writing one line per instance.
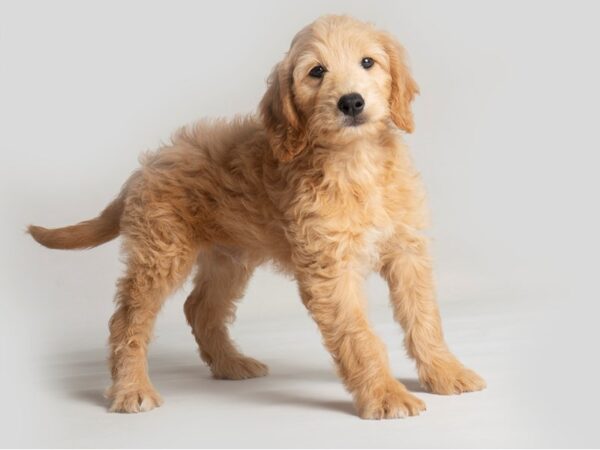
(221, 280)
(159, 257)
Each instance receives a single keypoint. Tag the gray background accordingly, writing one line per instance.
(507, 143)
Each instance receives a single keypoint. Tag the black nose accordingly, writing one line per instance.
(351, 104)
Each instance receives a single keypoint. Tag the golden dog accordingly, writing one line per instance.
(321, 184)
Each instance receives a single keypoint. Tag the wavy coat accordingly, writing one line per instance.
(325, 200)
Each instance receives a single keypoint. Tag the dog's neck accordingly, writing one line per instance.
(362, 153)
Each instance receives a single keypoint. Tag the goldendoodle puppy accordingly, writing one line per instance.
(319, 183)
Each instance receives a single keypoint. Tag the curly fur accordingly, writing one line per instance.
(326, 202)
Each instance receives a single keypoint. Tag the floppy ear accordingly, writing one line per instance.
(285, 128)
(404, 87)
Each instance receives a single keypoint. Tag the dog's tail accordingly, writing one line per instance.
(87, 234)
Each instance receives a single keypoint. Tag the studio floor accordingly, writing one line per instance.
(59, 401)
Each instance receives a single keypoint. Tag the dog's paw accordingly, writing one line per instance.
(133, 399)
(391, 402)
(449, 376)
(239, 368)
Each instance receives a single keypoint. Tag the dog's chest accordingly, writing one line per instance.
(377, 230)
(356, 206)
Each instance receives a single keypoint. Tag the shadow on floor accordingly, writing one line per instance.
(412, 384)
(84, 376)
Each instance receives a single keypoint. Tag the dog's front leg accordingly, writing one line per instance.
(332, 292)
(405, 264)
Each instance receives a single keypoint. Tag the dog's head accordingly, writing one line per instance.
(340, 79)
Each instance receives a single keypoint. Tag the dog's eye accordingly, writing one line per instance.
(367, 62)
(317, 72)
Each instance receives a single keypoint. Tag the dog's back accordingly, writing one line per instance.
(206, 164)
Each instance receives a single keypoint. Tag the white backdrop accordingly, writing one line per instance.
(507, 143)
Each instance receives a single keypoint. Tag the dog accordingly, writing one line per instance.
(321, 184)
